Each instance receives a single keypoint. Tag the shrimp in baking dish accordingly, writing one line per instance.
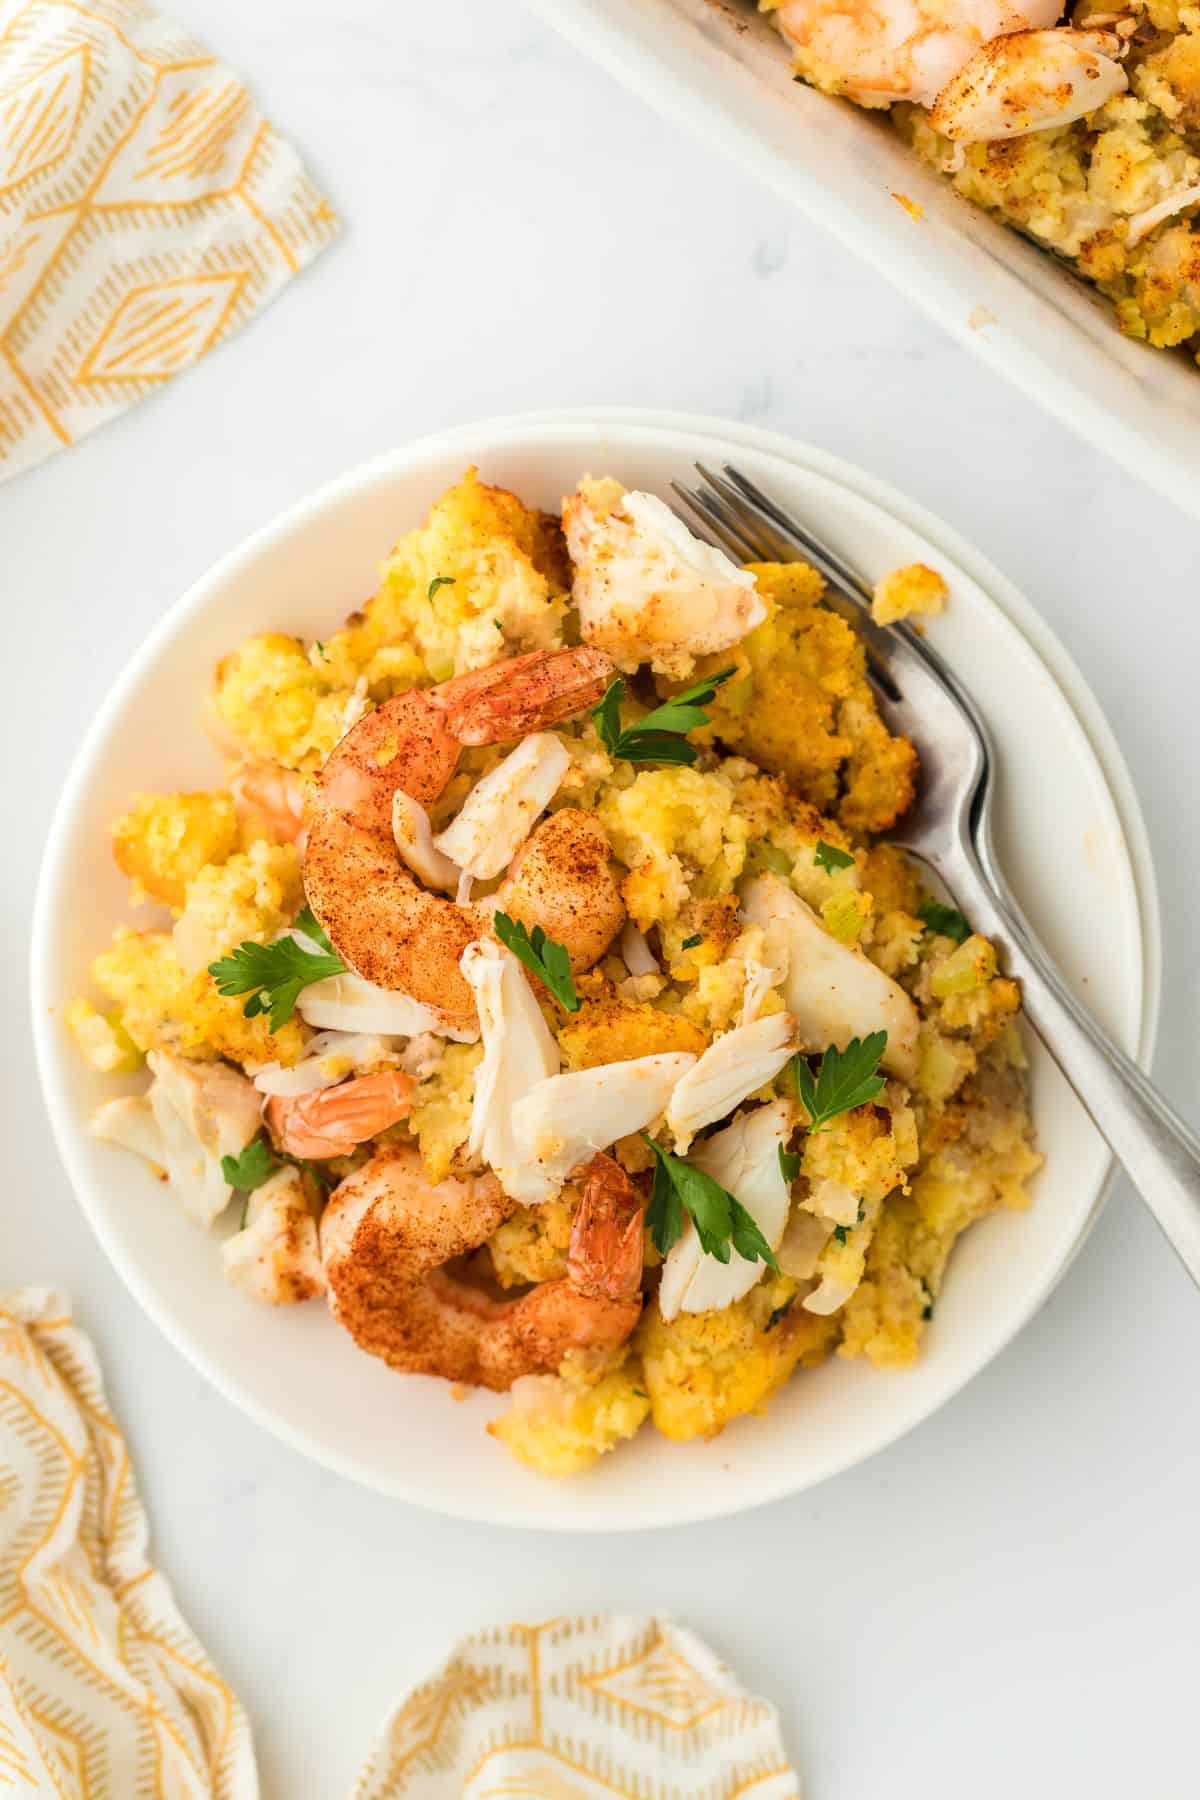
(876, 52)
(388, 1233)
(387, 927)
(331, 1121)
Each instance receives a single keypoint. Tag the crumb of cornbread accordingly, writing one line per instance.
(164, 840)
(799, 705)
(703, 1369)
(562, 1424)
(163, 1008)
(915, 589)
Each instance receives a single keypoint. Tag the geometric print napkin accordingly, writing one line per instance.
(104, 1692)
(106, 1695)
(147, 210)
(581, 1709)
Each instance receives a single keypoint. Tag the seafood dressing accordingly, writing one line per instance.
(556, 946)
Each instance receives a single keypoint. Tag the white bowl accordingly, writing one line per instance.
(722, 71)
(1076, 831)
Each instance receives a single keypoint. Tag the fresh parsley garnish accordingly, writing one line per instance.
(841, 1233)
(439, 581)
(689, 943)
(254, 1165)
(847, 1079)
(828, 856)
(275, 974)
(542, 955)
(789, 1164)
(661, 737)
(946, 921)
(721, 1221)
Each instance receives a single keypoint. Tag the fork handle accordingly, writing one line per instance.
(1158, 1150)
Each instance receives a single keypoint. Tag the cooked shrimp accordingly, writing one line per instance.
(562, 880)
(382, 923)
(331, 1121)
(269, 801)
(388, 1233)
(879, 51)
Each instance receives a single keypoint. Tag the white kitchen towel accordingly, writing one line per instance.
(147, 209)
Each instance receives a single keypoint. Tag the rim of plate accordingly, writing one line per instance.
(724, 435)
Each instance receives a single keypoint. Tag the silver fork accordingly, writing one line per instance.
(949, 827)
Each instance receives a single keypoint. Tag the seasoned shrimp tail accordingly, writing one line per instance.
(333, 1120)
(388, 1234)
(387, 927)
(524, 694)
(604, 1259)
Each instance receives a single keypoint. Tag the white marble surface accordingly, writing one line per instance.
(1007, 1600)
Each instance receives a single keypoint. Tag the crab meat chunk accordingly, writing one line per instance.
(519, 1051)
(835, 991)
(275, 1256)
(566, 1120)
(501, 809)
(647, 589)
(744, 1158)
(728, 1072)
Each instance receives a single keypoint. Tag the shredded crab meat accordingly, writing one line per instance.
(350, 1003)
(564, 1121)
(835, 991)
(728, 1072)
(414, 840)
(192, 1115)
(502, 808)
(647, 589)
(328, 1058)
(519, 1050)
(636, 953)
(744, 1158)
(1143, 223)
(1029, 81)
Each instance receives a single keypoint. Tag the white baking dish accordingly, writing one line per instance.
(723, 72)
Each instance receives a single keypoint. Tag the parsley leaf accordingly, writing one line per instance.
(439, 581)
(255, 1164)
(841, 1233)
(689, 943)
(946, 921)
(660, 737)
(664, 1215)
(828, 856)
(274, 974)
(541, 954)
(847, 1079)
(721, 1221)
(748, 1240)
(308, 923)
(789, 1164)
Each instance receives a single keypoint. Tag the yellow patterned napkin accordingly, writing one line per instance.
(106, 1695)
(581, 1709)
(147, 209)
(103, 1689)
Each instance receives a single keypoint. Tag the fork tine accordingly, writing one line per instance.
(758, 532)
(728, 530)
(823, 555)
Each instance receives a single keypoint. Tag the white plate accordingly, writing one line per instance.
(722, 71)
(1072, 834)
